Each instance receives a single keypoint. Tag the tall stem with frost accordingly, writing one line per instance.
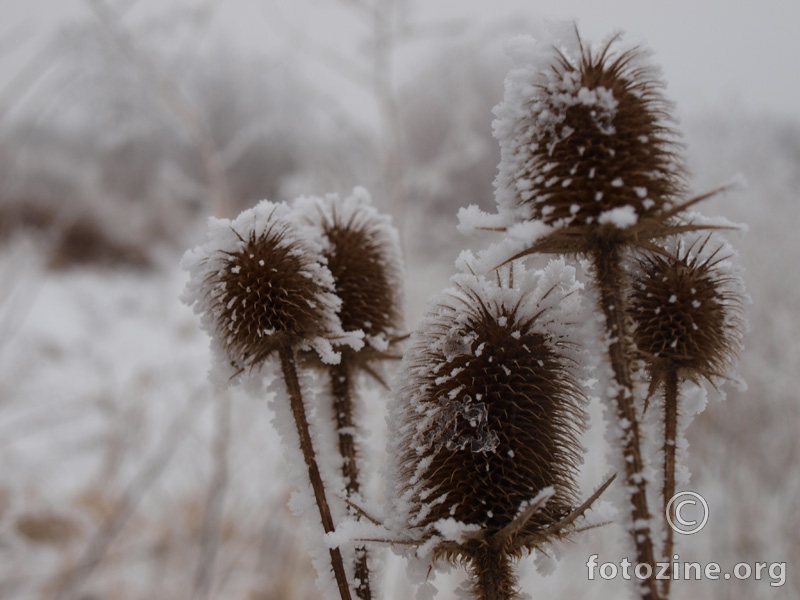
(610, 281)
(289, 370)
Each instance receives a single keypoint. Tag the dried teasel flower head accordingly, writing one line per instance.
(488, 411)
(588, 146)
(363, 254)
(259, 284)
(688, 305)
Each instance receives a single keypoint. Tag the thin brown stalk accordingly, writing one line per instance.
(610, 281)
(342, 388)
(492, 573)
(289, 368)
(670, 436)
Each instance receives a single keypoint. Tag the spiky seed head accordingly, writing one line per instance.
(363, 253)
(489, 409)
(259, 284)
(688, 309)
(586, 138)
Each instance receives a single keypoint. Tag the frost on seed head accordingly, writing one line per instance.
(586, 140)
(587, 128)
(489, 408)
(258, 284)
(362, 249)
(688, 305)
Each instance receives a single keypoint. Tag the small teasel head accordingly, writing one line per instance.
(260, 284)
(588, 145)
(363, 254)
(489, 408)
(688, 304)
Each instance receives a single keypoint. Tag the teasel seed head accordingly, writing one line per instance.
(363, 254)
(489, 409)
(589, 150)
(260, 284)
(688, 305)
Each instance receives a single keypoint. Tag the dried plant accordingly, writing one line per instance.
(261, 288)
(688, 306)
(591, 167)
(489, 412)
(488, 404)
(363, 255)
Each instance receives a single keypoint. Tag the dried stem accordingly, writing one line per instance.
(493, 575)
(342, 388)
(670, 435)
(610, 282)
(289, 368)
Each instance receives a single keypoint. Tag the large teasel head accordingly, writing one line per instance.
(688, 303)
(363, 254)
(589, 150)
(488, 412)
(260, 284)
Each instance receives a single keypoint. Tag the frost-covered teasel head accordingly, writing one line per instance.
(260, 284)
(587, 142)
(363, 255)
(688, 307)
(489, 406)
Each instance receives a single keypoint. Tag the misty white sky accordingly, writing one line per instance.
(720, 55)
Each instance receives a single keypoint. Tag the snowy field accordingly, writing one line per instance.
(118, 457)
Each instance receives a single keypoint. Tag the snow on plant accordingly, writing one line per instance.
(487, 413)
(687, 303)
(260, 286)
(591, 168)
(262, 289)
(362, 251)
(488, 404)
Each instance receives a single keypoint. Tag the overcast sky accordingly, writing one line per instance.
(715, 54)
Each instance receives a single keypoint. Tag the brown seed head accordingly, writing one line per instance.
(593, 142)
(688, 308)
(260, 285)
(491, 408)
(363, 256)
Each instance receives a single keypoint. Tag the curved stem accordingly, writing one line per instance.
(289, 369)
(342, 389)
(670, 437)
(610, 280)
